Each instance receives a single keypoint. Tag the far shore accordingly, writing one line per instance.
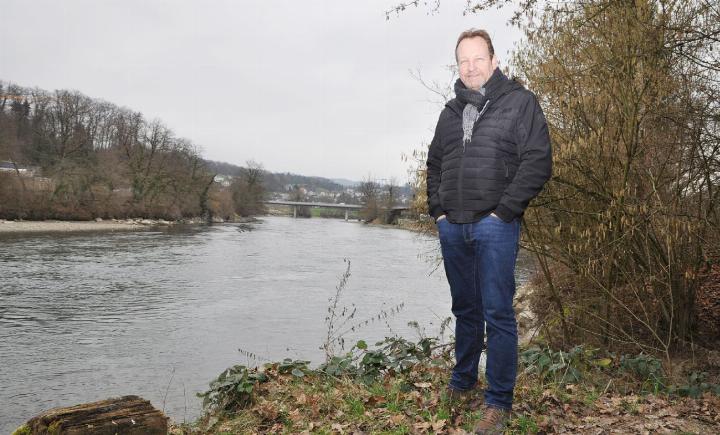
(75, 226)
(57, 226)
(60, 226)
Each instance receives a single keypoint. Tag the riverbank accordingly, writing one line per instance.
(412, 225)
(78, 226)
(400, 387)
(53, 226)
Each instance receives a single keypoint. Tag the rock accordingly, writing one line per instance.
(147, 222)
(98, 219)
(245, 220)
(129, 415)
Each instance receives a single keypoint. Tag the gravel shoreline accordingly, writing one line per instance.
(73, 226)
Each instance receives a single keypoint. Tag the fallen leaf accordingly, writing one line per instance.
(375, 400)
(603, 362)
(413, 395)
(421, 426)
(315, 408)
(295, 416)
(302, 399)
(475, 404)
(397, 419)
(458, 420)
(438, 425)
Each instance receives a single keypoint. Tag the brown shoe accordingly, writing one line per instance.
(493, 421)
(455, 395)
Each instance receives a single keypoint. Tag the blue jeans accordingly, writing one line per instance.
(479, 263)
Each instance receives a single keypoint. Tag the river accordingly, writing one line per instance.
(160, 313)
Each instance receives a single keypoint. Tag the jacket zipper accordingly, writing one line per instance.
(460, 182)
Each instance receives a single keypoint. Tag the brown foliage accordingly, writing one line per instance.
(370, 192)
(220, 203)
(248, 191)
(87, 158)
(708, 305)
(622, 231)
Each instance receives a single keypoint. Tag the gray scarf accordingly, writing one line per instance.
(476, 102)
(471, 113)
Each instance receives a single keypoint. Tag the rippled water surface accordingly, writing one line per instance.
(84, 317)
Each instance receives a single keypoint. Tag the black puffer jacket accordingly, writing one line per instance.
(505, 164)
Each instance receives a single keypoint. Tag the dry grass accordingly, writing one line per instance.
(415, 402)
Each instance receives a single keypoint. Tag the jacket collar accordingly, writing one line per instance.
(497, 86)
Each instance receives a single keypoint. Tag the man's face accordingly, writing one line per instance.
(475, 63)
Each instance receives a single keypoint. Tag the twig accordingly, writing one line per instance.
(167, 389)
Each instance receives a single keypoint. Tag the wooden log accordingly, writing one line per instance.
(127, 415)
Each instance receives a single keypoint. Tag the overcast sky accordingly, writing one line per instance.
(310, 87)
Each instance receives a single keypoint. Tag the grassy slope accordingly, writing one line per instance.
(603, 399)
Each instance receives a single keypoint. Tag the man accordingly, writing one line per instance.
(489, 157)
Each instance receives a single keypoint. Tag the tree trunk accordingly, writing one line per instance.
(128, 415)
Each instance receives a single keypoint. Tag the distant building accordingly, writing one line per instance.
(9, 167)
(223, 180)
(6, 166)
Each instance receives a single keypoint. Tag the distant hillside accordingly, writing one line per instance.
(276, 182)
(345, 182)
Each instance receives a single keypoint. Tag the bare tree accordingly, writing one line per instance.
(97, 159)
(390, 195)
(370, 199)
(623, 229)
(297, 194)
(249, 191)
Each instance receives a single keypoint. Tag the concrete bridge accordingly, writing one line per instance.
(347, 207)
